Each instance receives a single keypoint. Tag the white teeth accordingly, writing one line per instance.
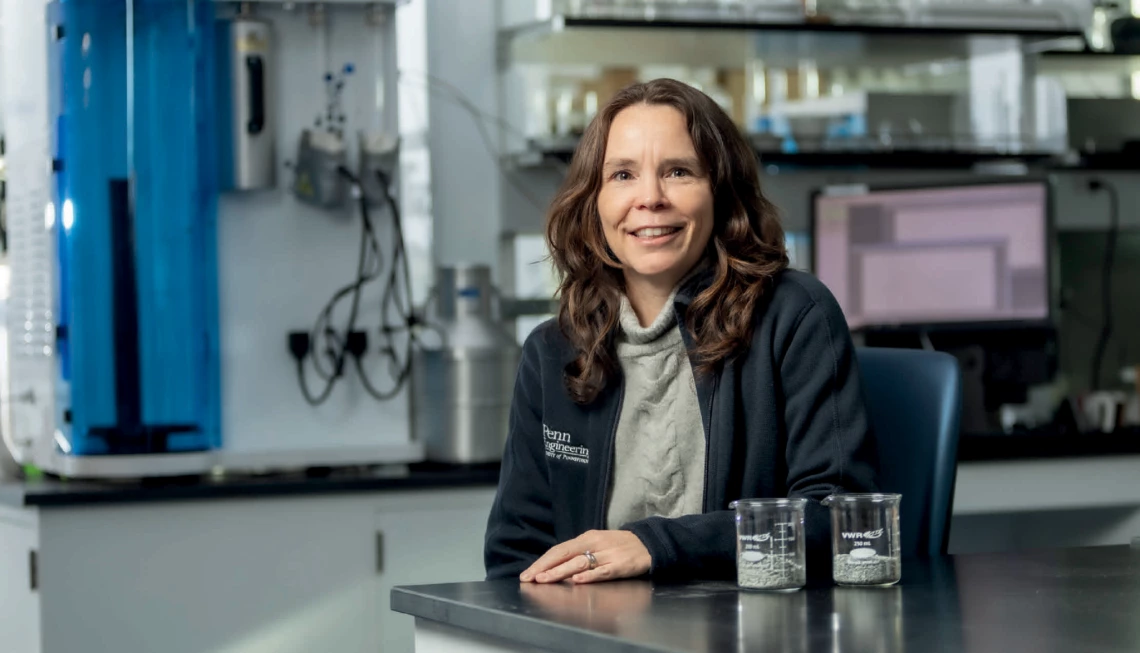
(654, 232)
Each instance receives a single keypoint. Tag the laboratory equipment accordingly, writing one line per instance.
(249, 162)
(133, 224)
(320, 157)
(157, 304)
(865, 541)
(462, 384)
(1103, 125)
(951, 255)
(961, 268)
(322, 151)
(770, 553)
(379, 159)
(858, 118)
(1125, 31)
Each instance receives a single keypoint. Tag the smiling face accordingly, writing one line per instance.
(656, 201)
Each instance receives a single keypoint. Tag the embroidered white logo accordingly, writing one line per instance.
(559, 447)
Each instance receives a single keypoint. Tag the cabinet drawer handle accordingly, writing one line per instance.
(379, 552)
(33, 571)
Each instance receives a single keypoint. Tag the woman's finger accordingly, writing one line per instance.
(577, 564)
(558, 554)
(601, 573)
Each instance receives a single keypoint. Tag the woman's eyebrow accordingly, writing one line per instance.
(682, 162)
(618, 163)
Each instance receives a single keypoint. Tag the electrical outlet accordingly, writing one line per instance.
(357, 344)
(299, 344)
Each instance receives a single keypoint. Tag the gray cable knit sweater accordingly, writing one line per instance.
(659, 451)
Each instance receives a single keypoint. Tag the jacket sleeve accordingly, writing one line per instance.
(521, 527)
(829, 444)
(694, 546)
(829, 449)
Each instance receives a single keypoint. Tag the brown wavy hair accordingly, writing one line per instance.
(746, 249)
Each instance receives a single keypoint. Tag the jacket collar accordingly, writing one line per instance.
(696, 281)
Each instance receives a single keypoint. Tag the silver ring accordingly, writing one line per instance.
(591, 559)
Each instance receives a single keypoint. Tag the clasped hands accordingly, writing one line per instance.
(619, 554)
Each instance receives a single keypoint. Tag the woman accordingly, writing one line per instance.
(687, 367)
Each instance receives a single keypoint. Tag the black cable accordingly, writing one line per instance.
(313, 401)
(400, 256)
(1106, 279)
(321, 328)
(396, 298)
(340, 347)
(399, 370)
(378, 395)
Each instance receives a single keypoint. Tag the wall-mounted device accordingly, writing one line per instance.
(379, 159)
(248, 156)
(318, 180)
(319, 177)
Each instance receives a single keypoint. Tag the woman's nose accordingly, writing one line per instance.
(652, 195)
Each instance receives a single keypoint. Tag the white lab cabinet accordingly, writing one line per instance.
(445, 555)
(284, 574)
(19, 597)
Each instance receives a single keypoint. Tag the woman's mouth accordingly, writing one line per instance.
(655, 235)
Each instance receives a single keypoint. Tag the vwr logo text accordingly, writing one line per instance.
(868, 535)
(756, 538)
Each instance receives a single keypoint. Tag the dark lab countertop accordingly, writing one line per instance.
(1048, 443)
(50, 492)
(1068, 599)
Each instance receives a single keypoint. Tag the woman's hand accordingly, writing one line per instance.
(620, 554)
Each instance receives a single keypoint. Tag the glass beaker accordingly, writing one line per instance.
(770, 543)
(865, 539)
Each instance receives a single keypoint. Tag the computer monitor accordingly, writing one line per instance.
(958, 255)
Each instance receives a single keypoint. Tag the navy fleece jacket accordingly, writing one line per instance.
(785, 420)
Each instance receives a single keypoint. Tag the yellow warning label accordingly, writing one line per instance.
(252, 42)
(304, 185)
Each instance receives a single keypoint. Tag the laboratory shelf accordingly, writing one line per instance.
(542, 152)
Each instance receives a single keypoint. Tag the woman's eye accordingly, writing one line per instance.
(679, 172)
(621, 175)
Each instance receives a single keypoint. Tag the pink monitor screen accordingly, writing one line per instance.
(936, 255)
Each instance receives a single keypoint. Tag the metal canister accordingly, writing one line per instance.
(252, 163)
(462, 388)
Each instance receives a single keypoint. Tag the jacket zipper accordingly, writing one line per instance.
(708, 449)
(607, 461)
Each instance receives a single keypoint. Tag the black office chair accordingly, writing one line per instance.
(914, 402)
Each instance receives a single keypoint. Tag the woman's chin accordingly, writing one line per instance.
(666, 271)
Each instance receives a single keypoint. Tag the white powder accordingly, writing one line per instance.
(873, 570)
(778, 576)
